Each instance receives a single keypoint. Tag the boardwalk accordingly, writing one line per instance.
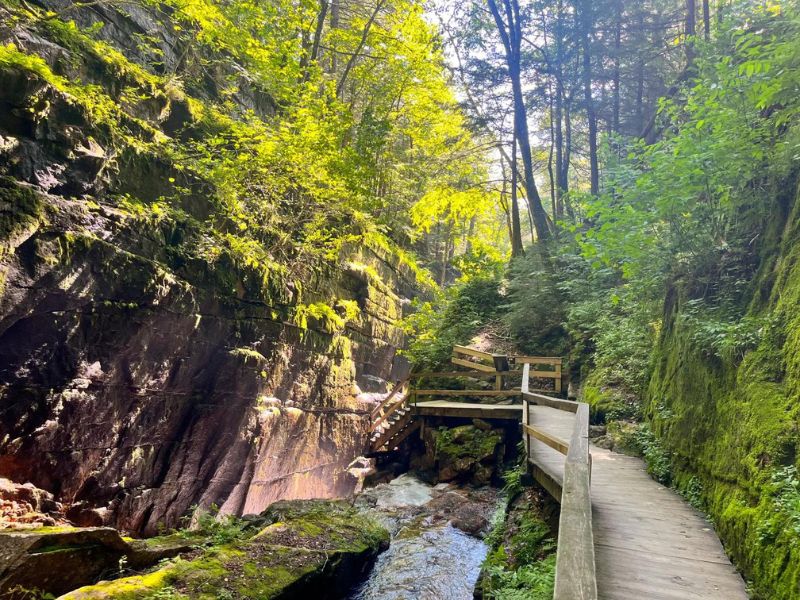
(622, 536)
(649, 543)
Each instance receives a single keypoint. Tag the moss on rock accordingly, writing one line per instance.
(465, 453)
(302, 548)
(730, 425)
(20, 213)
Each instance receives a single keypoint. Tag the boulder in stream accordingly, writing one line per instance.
(467, 453)
(54, 560)
(295, 549)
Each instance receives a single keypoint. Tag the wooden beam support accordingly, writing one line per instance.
(467, 374)
(546, 374)
(538, 360)
(547, 481)
(466, 410)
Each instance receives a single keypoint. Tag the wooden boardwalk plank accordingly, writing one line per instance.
(649, 543)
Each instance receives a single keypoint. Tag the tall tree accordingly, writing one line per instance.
(509, 26)
(691, 29)
(586, 27)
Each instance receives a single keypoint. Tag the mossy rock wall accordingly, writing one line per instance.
(732, 425)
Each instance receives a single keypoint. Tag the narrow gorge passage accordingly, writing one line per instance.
(399, 299)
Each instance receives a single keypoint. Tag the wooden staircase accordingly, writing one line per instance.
(391, 422)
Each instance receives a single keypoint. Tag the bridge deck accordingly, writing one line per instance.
(649, 543)
(470, 410)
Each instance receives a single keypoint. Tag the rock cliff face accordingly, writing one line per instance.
(729, 420)
(140, 378)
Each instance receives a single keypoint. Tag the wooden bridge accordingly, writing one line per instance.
(622, 535)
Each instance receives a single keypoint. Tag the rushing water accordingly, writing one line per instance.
(428, 559)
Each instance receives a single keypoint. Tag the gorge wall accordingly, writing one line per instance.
(147, 366)
(729, 420)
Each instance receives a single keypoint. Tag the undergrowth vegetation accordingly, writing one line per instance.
(453, 318)
(521, 560)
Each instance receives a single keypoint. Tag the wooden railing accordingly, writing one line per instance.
(464, 356)
(396, 396)
(575, 563)
(546, 367)
(501, 389)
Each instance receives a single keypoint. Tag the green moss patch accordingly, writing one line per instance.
(466, 441)
(21, 210)
(296, 547)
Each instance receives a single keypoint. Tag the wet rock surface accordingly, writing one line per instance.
(140, 378)
(137, 393)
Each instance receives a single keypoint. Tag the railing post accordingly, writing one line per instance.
(526, 415)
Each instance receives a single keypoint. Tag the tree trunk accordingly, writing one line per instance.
(550, 155)
(586, 26)
(511, 37)
(516, 229)
(559, 111)
(335, 10)
(617, 51)
(691, 29)
(503, 203)
(470, 232)
(567, 159)
(706, 20)
(354, 56)
(323, 13)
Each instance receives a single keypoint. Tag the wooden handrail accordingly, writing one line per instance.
(494, 393)
(472, 352)
(390, 411)
(559, 403)
(538, 360)
(473, 365)
(544, 437)
(468, 374)
(575, 562)
(382, 404)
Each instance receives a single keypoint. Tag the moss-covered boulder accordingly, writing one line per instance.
(54, 560)
(300, 549)
(145, 553)
(467, 453)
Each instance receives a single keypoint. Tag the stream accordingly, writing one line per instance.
(437, 547)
